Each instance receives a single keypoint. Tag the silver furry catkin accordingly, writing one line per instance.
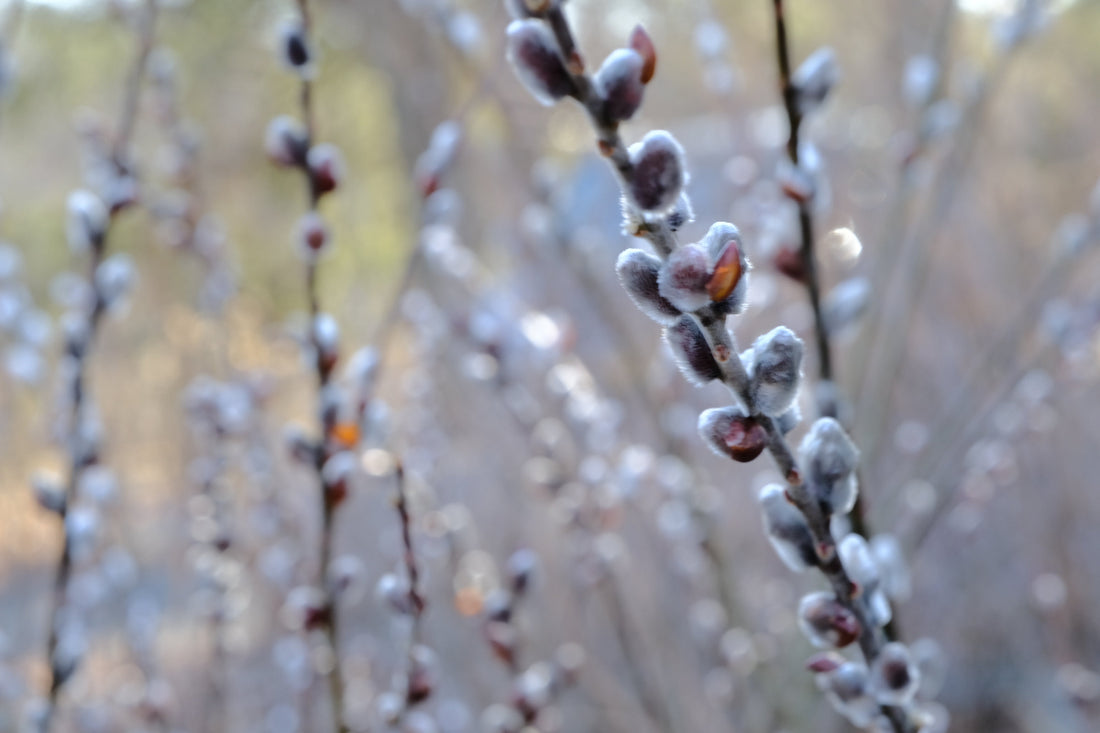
(537, 61)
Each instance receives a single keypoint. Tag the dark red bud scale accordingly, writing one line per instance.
(730, 432)
(789, 262)
(824, 662)
(745, 439)
(643, 44)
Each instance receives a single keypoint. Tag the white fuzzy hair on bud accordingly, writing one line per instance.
(660, 172)
(682, 213)
(286, 141)
(787, 529)
(728, 431)
(326, 333)
(894, 676)
(313, 235)
(683, 278)
(536, 58)
(638, 273)
(846, 304)
(846, 690)
(825, 622)
(87, 221)
(294, 48)
(815, 78)
(776, 371)
(858, 560)
(829, 458)
(326, 166)
(114, 278)
(691, 352)
(619, 84)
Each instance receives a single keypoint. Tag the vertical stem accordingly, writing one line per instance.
(330, 619)
(413, 694)
(78, 460)
(805, 215)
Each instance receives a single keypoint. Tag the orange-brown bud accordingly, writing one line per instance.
(727, 273)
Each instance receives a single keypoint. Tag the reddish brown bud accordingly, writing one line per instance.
(727, 272)
(826, 622)
(643, 44)
(789, 262)
(729, 432)
(422, 675)
(824, 662)
(502, 638)
(326, 167)
(313, 235)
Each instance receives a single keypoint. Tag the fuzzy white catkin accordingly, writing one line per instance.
(87, 220)
(825, 622)
(856, 557)
(894, 571)
(777, 371)
(859, 562)
(922, 74)
(846, 303)
(660, 172)
(638, 272)
(691, 352)
(846, 690)
(114, 279)
(683, 277)
(815, 78)
(326, 333)
(829, 458)
(619, 84)
(894, 677)
(787, 529)
(534, 55)
(285, 140)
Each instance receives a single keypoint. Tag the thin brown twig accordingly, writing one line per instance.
(808, 258)
(790, 94)
(416, 690)
(329, 620)
(79, 461)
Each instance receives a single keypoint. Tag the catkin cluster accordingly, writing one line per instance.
(691, 290)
